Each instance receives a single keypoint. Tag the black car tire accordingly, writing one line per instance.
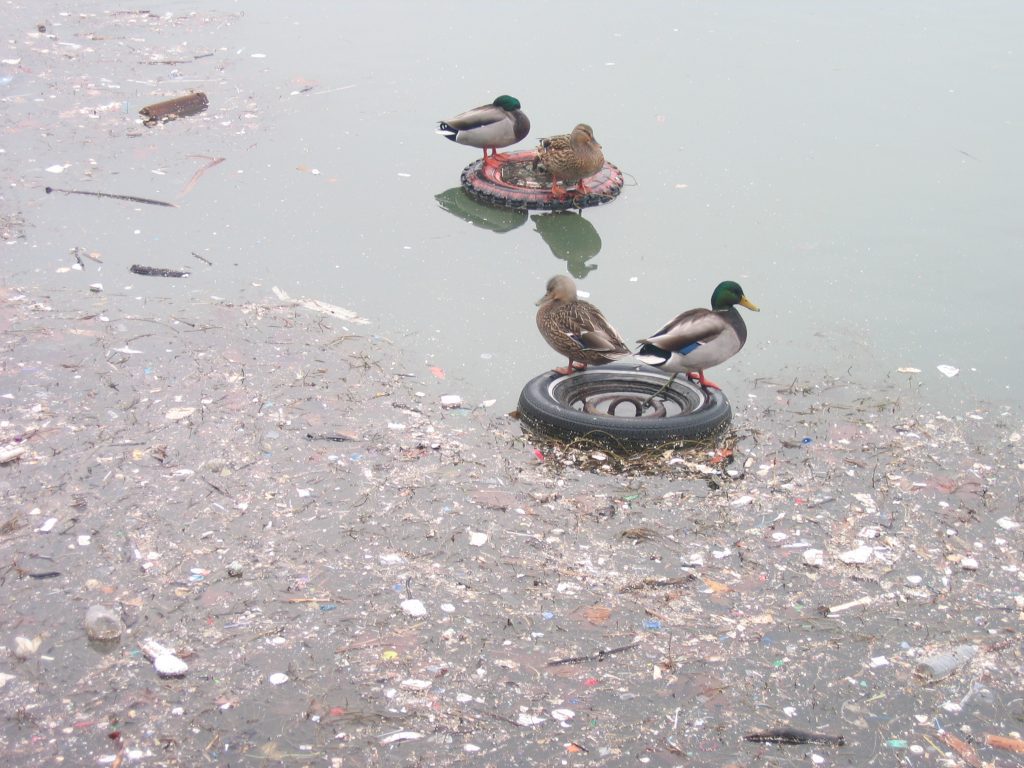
(552, 404)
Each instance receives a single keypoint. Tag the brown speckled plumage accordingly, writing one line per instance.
(576, 328)
(570, 158)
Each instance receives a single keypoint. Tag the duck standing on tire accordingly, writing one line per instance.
(699, 338)
(576, 328)
(498, 124)
(570, 158)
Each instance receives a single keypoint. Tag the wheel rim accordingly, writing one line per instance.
(627, 397)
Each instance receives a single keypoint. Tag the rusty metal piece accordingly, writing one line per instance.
(172, 109)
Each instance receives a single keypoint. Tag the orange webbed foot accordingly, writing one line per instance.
(706, 383)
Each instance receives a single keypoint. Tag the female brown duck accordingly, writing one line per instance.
(576, 328)
(570, 158)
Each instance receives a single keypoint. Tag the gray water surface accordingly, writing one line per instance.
(856, 167)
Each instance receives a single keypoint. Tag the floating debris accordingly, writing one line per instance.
(942, 665)
(129, 198)
(182, 106)
(11, 452)
(158, 271)
(794, 736)
(401, 736)
(414, 608)
(166, 663)
(477, 539)
(25, 647)
(102, 624)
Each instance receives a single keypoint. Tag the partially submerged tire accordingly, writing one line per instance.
(514, 183)
(605, 404)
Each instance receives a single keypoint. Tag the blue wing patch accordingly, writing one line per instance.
(688, 348)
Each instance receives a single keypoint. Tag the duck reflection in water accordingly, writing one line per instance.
(571, 238)
(456, 202)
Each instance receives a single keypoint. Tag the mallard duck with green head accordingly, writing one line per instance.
(576, 328)
(498, 124)
(570, 158)
(699, 338)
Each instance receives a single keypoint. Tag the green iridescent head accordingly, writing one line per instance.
(729, 294)
(508, 103)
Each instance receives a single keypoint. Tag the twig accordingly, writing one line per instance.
(195, 176)
(655, 583)
(598, 656)
(311, 600)
(370, 642)
(129, 198)
(794, 736)
(218, 489)
(834, 609)
(337, 438)
(139, 269)
(962, 748)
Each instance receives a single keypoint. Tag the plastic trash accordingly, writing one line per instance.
(942, 665)
(103, 624)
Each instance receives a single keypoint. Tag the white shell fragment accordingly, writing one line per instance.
(451, 401)
(401, 736)
(278, 678)
(948, 370)
(477, 539)
(169, 665)
(412, 684)
(151, 648)
(814, 557)
(414, 608)
(866, 502)
(10, 453)
(163, 658)
(857, 556)
(25, 648)
(563, 715)
(526, 719)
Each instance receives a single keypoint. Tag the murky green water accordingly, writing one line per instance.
(858, 169)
